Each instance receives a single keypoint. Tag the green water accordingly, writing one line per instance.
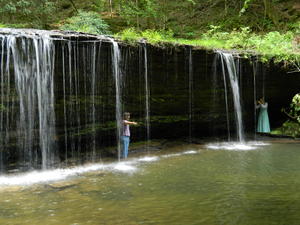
(209, 187)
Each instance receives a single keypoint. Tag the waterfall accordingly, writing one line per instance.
(254, 95)
(93, 85)
(226, 98)
(64, 99)
(32, 62)
(29, 131)
(118, 83)
(147, 95)
(228, 61)
(190, 94)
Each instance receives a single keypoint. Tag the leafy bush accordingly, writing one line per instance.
(289, 128)
(89, 22)
(272, 45)
(295, 107)
(292, 126)
(152, 36)
(129, 35)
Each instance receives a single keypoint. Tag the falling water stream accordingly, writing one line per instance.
(254, 95)
(33, 67)
(228, 63)
(190, 94)
(118, 82)
(147, 95)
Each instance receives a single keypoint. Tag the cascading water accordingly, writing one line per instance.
(147, 95)
(254, 94)
(93, 91)
(118, 88)
(190, 94)
(64, 99)
(27, 115)
(226, 98)
(228, 62)
(31, 60)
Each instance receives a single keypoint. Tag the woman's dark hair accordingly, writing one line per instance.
(126, 114)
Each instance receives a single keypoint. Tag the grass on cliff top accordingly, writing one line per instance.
(272, 45)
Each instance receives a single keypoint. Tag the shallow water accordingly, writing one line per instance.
(192, 185)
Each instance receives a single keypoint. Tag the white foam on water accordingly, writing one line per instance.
(190, 152)
(124, 167)
(148, 159)
(44, 176)
(235, 146)
(179, 154)
(258, 143)
(47, 175)
(171, 155)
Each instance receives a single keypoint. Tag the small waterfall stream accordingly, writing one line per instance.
(228, 63)
(226, 96)
(118, 82)
(191, 97)
(147, 95)
(254, 94)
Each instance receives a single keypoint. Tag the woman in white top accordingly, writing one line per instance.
(126, 133)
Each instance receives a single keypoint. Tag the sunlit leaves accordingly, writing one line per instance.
(89, 22)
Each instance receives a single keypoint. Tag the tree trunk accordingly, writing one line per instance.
(137, 15)
(271, 12)
(73, 4)
(111, 8)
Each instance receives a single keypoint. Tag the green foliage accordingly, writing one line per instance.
(295, 27)
(289, 128)
(235, 22)
(89, 22)
(133, 11)
(152, 36)
(270, 46)
(245, 6)
(295, 107)
(292, 126)
(33, 13)
(129, 35)
(18, 25)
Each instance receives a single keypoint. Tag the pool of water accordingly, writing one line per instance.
(213, 184)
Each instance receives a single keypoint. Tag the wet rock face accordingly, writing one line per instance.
(186, 97)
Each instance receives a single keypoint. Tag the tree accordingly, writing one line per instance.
(38, 13)
(89, 22)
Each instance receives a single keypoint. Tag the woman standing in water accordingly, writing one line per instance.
(126, 133)
(263, 124)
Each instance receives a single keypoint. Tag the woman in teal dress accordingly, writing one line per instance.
(263, 124)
